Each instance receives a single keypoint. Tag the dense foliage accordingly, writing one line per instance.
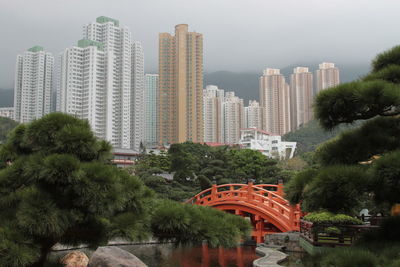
(331, 218)
(59, 189)
(191, 167)
(348, 175)
(57, 186)
(311, 135)
(6, 125)
(188, 223)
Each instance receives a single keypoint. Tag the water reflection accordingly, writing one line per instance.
(167, 255)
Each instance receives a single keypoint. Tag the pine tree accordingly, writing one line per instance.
(57, 186)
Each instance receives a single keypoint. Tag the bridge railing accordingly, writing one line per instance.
(256, 196)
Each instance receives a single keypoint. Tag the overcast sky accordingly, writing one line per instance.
(239, 35)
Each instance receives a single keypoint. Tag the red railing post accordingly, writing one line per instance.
(213, 191)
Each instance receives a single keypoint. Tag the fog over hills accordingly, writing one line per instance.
(244, 84)
(6, 97)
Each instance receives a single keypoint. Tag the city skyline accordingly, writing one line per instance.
(316, 43)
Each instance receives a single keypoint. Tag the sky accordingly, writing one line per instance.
(239, 35)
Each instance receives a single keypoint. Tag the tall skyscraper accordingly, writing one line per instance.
(301, 97)
(326, 76)
(253, 115)
(33, 84)
(233, 118)
(82, 90)
(274, 99)
(137, 106)
(102, 80)
(181, 86)
(151, 102)
(213, 114)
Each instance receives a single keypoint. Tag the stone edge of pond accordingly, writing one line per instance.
(271, 257)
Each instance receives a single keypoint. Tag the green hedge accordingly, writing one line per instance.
(331, 218)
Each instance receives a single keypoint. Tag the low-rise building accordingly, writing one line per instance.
(124, 158)
(267, 143)
(7, 112)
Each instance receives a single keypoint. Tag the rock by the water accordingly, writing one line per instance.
(113, 257)
(75, 259)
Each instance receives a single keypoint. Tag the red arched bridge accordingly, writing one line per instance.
(264, 204)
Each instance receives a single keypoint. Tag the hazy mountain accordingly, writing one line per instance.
(6, 97)
(245, 84)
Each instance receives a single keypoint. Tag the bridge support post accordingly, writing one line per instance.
(259, 230)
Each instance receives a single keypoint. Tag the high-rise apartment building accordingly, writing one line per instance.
(326, 76)
(137, 106)
(223, 116)
(151, 103)
(213, 118)
(253, 115)
(233, 118)
(102, 80)
(33, 84)
(301, 97)
(180, 86)
(274, 99)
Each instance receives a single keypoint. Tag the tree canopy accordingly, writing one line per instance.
(57, 185)
(6, 125)
(349, 172)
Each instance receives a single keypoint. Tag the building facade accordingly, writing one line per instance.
(327, 76)
(213, 117)
(102, 80)
(267, 143)
(253, 115)
(233, 118)
(33, 84)
(301, 97)
(181, 86)
(151, 102)
(274, 100)
(7, 112)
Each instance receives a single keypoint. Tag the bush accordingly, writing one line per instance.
(335, 189)
(349, 257)
(330, 218)
(185, 223)
(385, 175)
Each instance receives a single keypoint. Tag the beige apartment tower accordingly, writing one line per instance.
(301, 97)
(180, 86)
(327, 76)
(274, 100)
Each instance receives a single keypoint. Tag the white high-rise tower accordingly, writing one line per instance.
(151, 102)
(102, 80)
(253, 118)
(33, 84)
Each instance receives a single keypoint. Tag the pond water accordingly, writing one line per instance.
(168, 255)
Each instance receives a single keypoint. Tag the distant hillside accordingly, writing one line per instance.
(6, 98)
(245, 84)
(311, 135)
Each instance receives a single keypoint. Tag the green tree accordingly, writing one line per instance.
(341, 184)
(6, 125)
(60, 188)
(191, 223)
